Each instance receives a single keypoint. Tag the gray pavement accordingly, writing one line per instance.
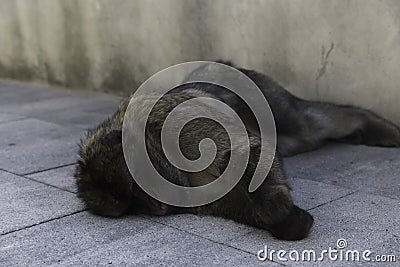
(352, 191)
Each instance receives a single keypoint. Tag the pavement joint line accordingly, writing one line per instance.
(206, 238)
(25, 117)
(60, 188)
(350, 188)
(333, 200)
(50, 169)
(39, 118)
(13, 120)
(42, 222)
(34, 180)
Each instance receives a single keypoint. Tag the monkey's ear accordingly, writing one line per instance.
(113, 137)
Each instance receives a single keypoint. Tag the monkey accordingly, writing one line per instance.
(107, 188)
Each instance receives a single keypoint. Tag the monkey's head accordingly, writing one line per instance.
(103, 179)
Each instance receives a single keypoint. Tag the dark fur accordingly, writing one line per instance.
(107, 188)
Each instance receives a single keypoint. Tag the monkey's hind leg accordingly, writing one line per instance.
(353, 125)
(322, 122)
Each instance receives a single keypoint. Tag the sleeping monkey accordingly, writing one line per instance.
(108, 189)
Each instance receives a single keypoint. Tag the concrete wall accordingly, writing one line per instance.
(343, 51)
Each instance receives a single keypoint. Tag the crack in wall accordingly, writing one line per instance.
(323, 66)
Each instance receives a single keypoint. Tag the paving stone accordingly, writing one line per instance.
(31, 145)
(14, 93)
(82, 109)
(85, 239)
(86, 115)
(60, 177)
(5, 117)
(24, 202)
(82, 119)
(365, 221)
(20, 97)
(66, 103)
(307, 194)
(310, 194)
(368, 169)
(214, 228)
